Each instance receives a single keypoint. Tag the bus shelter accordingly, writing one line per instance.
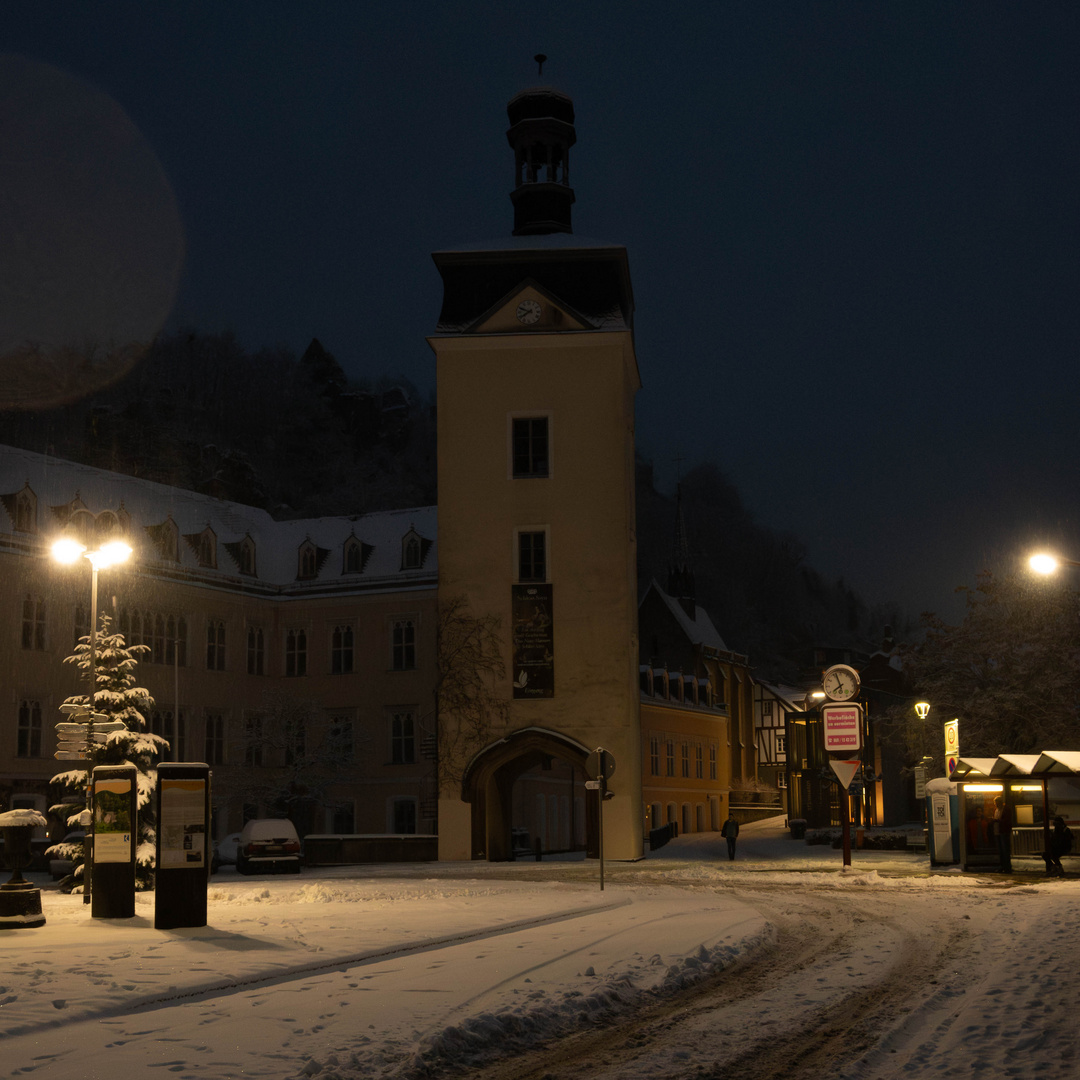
(1036, 787)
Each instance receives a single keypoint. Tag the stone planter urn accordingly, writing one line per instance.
(20, 901)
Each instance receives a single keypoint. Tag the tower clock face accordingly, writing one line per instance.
(840, 682)
(528, 312)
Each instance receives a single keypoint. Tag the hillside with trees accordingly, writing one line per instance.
(295, 436)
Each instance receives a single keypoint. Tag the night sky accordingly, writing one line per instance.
(852, 227)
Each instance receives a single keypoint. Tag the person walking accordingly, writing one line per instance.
(1003, 834)
(730, 832)
(1061, 843)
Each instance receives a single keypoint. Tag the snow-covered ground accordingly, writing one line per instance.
(395, 971)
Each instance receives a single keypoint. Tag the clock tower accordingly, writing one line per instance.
(536, 377)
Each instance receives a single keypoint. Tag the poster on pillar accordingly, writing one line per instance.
(534, 642)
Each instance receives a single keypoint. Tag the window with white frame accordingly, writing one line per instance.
(28, 738)
(403, 815)
(295, 653)
(403, 737)
(215, 738)
(403, 643)
(341, 740)
(532, 556)
(529, 450)
(255, 660)
(215, 645)
(253, 745)
(33, 623)
(341, 650)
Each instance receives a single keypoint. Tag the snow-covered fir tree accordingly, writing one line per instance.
(119, 698)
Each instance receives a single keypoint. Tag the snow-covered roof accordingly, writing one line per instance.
(699, 629)
(1059, 762)
(379, 537)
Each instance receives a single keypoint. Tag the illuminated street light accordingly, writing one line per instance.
(67, 550)
(922, 709)
(1048, 564)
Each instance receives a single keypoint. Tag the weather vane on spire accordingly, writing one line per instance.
(540, 58)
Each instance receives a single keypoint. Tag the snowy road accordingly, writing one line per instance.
(777, 965)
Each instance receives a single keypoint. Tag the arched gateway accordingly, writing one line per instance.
(527, 792)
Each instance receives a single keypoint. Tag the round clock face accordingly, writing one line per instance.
(528, 312)
(840, 682)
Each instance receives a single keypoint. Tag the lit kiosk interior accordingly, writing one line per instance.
(1036, 787)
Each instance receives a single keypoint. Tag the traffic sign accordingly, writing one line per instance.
(592, 785)
(952, 738)
(70, 755)
(843, 727)
(845, 770)
(600, 763)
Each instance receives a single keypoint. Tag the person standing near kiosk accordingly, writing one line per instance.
(1003, 833)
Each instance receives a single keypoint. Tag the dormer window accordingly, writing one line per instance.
(247, 556)
(166, 540)
(354, 556)
(207, 550)
(22, 506)
(83, 525)
(414, 549)
(308, 561)
(243, 554)
(204, 544)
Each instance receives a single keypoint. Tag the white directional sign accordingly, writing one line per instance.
(70, 755)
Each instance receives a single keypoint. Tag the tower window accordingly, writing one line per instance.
(530, 447)
(532, 556)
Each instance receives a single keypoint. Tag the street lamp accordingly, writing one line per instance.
(67, 550)
(922, 709)
(1044, 563)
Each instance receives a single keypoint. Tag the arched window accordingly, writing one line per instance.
(26, 511)
(353, 560)
(307, 567)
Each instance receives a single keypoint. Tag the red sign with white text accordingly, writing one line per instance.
(843, 727)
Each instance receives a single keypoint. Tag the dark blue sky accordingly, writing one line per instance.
(853, 228)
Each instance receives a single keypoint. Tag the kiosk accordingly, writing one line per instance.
(183, 845)
(114, 806)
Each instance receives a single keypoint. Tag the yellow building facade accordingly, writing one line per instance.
(536, 377)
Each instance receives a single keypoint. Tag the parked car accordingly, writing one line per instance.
(61, 864)
(268, 844)
(225, 852)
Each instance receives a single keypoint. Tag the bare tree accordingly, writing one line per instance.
(468, 701)
(295, 752)
(1009, 671)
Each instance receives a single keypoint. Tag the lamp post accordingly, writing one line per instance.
(1043, 563)
(68, 550)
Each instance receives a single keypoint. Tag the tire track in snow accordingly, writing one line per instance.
(297, 972)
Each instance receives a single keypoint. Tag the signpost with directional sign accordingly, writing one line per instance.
(600, 766)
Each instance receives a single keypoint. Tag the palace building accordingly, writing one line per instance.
(301, 659)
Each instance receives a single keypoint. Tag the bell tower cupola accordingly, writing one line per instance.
(541, 133)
